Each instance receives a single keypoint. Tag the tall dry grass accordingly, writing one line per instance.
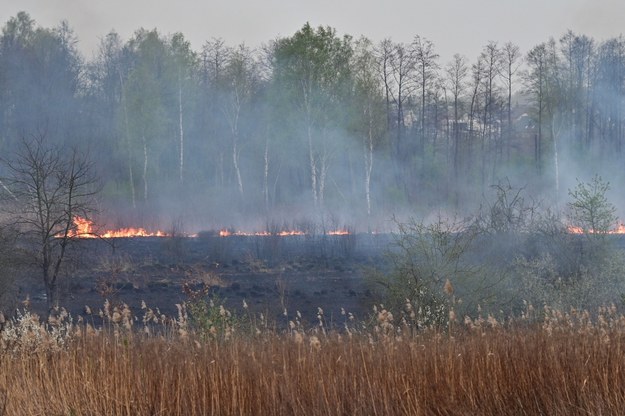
(562, 364)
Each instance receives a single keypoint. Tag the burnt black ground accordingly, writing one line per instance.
(271, 273)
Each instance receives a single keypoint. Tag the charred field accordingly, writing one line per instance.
(270, 273)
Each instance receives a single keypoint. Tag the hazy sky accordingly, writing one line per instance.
(462, 26)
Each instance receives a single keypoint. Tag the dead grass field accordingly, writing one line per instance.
(555, 363)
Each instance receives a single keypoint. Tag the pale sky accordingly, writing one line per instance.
(455, 26)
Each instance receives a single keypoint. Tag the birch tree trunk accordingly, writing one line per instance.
(235, 161)
(234, 128)
(323, 171)
(181, 128)
(129, 148)
(266, 176)
(311, 153)
(313, 168)
(145, 168)
(368, 156)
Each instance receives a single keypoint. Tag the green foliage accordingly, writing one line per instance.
(299, 114)
(40, 79)
(509, 253)
(211, 319)
(312, 78)
(426, 258)
(207, 313)
(314, 60)
(541, 282)
(590, 209)
(567, 269)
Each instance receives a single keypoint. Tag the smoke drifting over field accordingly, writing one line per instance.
(314, 130)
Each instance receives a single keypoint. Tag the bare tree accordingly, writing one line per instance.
(477, 76)
(241, 80)
(396, 62)
(491, 56)
(384, 54)
(214, 58)
(535, 81)
(185, 61)
(511, 55)
(426, 68)
(49, 187)
(370, 93)
(457, 71)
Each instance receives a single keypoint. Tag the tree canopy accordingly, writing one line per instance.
(314, 123)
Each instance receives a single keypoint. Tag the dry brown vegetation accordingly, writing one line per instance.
(541, 363)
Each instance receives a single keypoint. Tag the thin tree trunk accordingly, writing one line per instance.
(181, 128)
(129, 150)
(509, 126)
(50, 286)
(235, 161)
(538, 142)
(221, 174)
(423, 96)
(555, 159)
(145, 168)
(484, 143)
(456, 140)
(323, 170)
(368, 156)
(311, 155)
(313, 168)
(236, 111)
(266, 176)
(472, 112)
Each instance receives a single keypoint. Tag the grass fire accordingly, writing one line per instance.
(312, 222)
(84, 228)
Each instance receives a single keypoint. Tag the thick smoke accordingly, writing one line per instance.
(314, 131)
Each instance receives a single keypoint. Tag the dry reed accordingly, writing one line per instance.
(564, 364)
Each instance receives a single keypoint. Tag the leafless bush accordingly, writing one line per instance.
(174, 243)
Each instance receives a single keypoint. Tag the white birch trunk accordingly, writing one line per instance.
(313, 168)
(311, 153)
(368, 155)
(181, 128)
(235, 161)
(235, 142)
(232, 113)
(145, 169)
(322, 179)
(266, 176)
(130, 171)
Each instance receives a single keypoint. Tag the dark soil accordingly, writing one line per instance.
(271, 274)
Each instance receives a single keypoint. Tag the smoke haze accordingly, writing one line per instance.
(313, 129)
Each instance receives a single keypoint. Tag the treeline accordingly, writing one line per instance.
(313, 122)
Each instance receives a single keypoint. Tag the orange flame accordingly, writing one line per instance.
(84, 228)
(228, 233)
(339, 232)
(290, 232)
(283, 233)
(620, 229)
